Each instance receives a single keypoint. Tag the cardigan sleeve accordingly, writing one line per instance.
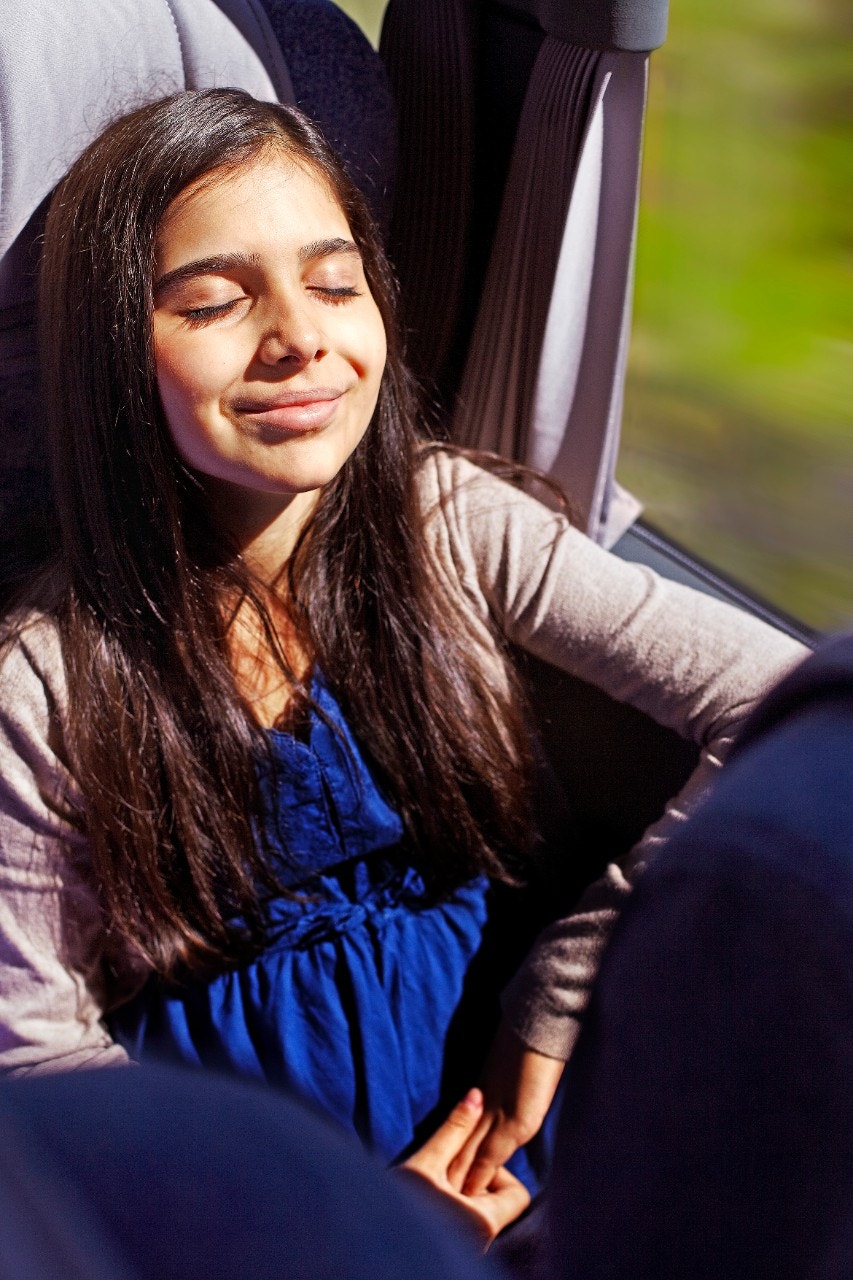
(53, 964)
(692, 663)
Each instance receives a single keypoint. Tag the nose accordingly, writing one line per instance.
(291, 336)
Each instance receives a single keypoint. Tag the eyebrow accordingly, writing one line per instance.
(223, 263)
(325, 249)
(219, 264)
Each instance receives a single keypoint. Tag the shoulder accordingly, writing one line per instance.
(31, 662)
(33, 701)
(478, 517)
(484, 533)
(441, 470)
(448, 477)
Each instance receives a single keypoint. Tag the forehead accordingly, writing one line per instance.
(272, 202)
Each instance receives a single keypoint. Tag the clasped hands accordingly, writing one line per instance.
(464, 1159)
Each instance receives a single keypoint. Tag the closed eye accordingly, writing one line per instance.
(198, 316)
(338, 293)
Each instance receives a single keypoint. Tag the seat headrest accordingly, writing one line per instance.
(66, 70)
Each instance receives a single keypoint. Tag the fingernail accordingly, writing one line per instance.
(473, 1099)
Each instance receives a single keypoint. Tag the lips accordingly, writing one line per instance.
(292, 412)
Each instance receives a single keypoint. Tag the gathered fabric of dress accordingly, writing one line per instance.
(364, 999)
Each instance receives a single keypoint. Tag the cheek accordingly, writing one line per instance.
(177, 372)
(187, 384)
(375, 351)
(372, 373)
(183, 399)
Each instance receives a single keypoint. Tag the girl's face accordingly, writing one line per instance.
(269, 346)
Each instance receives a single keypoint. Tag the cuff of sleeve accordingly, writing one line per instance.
(550, 1032)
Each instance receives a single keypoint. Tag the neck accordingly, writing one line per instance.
(266, 527)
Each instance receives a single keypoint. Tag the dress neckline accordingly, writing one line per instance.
(306, 718)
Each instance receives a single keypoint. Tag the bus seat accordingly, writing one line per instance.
(524, 119)
(339, 81)
(47, 1233)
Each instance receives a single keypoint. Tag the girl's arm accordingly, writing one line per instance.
(692, 663)
(55, 977)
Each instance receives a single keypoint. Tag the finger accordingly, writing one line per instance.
(498, 1146)
(438, 1151)
(457, 1171)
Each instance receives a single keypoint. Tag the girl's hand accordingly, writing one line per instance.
(500, 1201)
(518, 1087)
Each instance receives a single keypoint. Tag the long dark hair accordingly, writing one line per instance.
(159, 740)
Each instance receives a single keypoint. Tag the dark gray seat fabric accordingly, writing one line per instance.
(339, 81)
(709, 1132)
(149, 1175)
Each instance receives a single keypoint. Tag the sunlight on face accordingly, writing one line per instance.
(269, 345)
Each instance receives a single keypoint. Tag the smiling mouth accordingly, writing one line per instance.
(293, 412)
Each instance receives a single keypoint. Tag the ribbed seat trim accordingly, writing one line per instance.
(429, 230)
(544, 375)
(496, 397)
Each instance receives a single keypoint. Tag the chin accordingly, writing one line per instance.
(301, 480)
(314, 466)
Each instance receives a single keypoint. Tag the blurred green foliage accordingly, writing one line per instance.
(738, 431)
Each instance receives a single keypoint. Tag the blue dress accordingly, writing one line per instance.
(373, 1001)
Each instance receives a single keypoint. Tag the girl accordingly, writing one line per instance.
(265, 765)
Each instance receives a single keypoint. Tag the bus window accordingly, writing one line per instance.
(737, 433)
